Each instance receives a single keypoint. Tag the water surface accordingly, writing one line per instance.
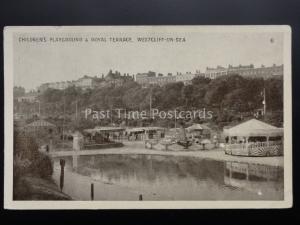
(126, 177)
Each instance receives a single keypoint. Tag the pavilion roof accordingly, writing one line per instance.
(198, 126)
(104, 129)
(40, 123)
(253, 127)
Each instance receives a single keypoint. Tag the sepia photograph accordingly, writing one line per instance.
(139, 117)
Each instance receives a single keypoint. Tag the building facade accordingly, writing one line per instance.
(263, 72)
(160, 80)
(85, 82)
(116, 79)
(55, 85)
(146, 79)
(29, 97)
(213, 73)
(274, 71)
(186, 78)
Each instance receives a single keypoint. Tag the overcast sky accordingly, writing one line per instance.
(37, 63)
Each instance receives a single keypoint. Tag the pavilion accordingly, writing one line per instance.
(104, 134)
(200, 131)
(254, 138)
(40, 127)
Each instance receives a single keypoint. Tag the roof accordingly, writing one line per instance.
(104, 129)
(198, 127)
(254, 127)
(40, 123)
(152, 128)
(138, 129)
(135, 129)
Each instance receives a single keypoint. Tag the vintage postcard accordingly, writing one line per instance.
(148, 117)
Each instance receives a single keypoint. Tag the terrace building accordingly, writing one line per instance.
(160, 80)
(116, 79)
(213, 73)
(145, 79)
(85, 82)
(275, 71)
(186, 78)
(55, 85)
(150, 78)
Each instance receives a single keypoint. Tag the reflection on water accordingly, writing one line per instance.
(124, 177)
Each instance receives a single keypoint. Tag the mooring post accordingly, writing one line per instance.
(140, 197)
(92, 191)
(62, 173)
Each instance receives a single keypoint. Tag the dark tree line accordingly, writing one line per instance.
(228, 96)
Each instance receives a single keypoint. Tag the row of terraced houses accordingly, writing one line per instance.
(151, 78)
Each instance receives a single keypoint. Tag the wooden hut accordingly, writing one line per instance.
(199, 131)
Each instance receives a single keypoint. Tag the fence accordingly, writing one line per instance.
(271, 148)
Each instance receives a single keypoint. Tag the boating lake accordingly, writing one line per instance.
(156, 177)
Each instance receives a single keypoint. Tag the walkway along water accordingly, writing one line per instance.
(139, 148)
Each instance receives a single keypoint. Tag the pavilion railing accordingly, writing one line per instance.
(255, 148)
(270, 148)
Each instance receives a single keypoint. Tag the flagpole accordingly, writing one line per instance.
(265, 105)
(150, 103)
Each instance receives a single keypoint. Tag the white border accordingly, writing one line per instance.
(8, 142)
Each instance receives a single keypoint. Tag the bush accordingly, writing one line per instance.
(28, 160)
(42, 166)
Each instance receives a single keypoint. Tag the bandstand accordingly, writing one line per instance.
(254, 138)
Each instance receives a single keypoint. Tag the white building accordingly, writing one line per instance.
(213, 73)
(186, 78)
(85, 82)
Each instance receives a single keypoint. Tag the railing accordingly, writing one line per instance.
(264, 144)
(270, 148)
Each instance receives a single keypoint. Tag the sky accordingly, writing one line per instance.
(37, 63)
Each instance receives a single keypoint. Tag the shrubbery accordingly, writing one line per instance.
(28, 161)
